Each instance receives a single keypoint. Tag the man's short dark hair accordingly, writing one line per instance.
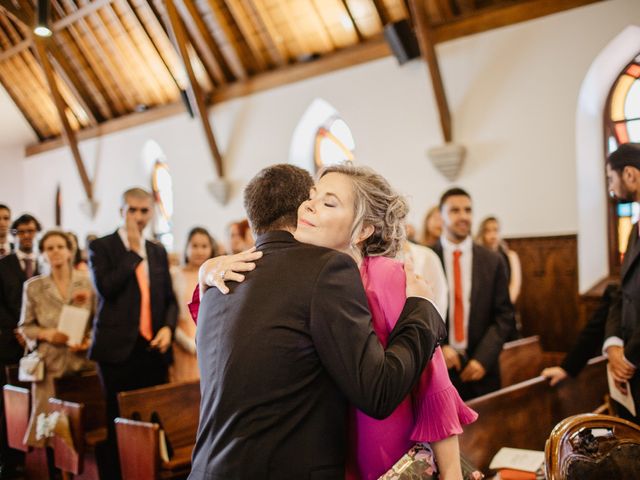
(23, 220)
(453, 192)
(627, 155)
(4, 207)
(273, 196)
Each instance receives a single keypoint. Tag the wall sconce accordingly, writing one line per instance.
(43, 28)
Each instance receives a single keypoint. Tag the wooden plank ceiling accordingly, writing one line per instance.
(115, 58)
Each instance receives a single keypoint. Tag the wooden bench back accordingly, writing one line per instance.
(523, 415)
(520, 360)
(69, 459)
(84, 388)
(177, 405)
(17, 410)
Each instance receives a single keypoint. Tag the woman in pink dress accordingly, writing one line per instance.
(354, 210)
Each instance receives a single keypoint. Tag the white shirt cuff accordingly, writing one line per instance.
(611, 342)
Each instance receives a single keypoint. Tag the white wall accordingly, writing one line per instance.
(12, 177)
(513, 97)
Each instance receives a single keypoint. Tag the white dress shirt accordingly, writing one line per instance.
(427, 264)
(466, 266)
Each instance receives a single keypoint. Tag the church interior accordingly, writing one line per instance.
(517, 102)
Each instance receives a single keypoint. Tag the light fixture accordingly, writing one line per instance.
(43, 28)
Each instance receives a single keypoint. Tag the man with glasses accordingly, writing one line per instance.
(137, 310)
(15, 269)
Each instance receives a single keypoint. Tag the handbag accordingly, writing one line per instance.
(419, 464)
(31, 368)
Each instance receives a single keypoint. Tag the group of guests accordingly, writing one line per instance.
(37, 283)
(142, 334)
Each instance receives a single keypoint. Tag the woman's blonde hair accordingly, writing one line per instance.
(375, 204)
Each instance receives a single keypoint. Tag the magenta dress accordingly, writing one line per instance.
(434, 410)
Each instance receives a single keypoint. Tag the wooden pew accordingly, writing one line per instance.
(177, 406)
(17, 407)
(85, 389)
(69, 460)
(520, 360)
(523, 415)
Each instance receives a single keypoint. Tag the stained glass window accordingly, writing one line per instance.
(162, 186)
(334, 143)
(622, 125)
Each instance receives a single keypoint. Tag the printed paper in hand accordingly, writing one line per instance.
(625, 400)
(517, 459)
(73, 323)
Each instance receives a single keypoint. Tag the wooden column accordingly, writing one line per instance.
(428, 51)
(67, 132)
(195, 93)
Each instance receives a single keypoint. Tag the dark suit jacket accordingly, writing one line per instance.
(117, 320)
(12, 279)
(281, 356)
(624, 313)
(491, 317)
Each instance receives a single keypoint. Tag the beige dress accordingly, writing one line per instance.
(185, 363)
(41, 307)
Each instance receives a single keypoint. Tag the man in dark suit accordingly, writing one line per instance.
(480, 316)
(137, 310)
(622, 345)
(15, 269)
(6, 247)
(284, 353)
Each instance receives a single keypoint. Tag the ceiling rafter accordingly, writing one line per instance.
(202, 40)
(68, 132)
(227, 43)
(244, 25)
(90, 46)
(196, 96)
(268, 32)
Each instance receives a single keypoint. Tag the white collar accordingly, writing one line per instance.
(465, 246)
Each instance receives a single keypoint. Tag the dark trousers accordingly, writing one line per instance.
(145, 367)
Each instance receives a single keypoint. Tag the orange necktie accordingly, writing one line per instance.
(458, 308)
(146, 330)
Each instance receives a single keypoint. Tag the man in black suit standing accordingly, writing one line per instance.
(137, 310)
(6, 247)
(622, 344)
(283, 354)
(480, 316)
(15, 269)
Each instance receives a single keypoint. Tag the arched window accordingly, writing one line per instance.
(162, 188)
(321, 138)
(622, 125)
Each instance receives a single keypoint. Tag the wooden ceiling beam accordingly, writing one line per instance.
(202, 40)
(239, 16)
(428, 51)
(68, 76)
(381, 11)
(195, 93)
(501, 16)
(21, 106)
(67, 131)
(359, 34)
(268, 33)
(134, 13)
(232, 52)
(18, 12)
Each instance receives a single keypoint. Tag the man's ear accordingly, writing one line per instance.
(365, 232)
(631, 175)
